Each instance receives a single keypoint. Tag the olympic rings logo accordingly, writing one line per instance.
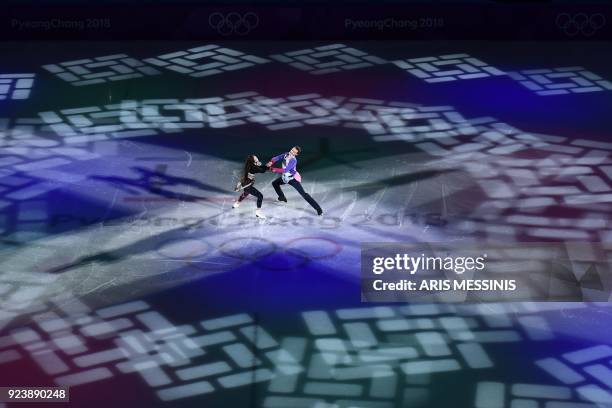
(233, 23)
(580, 23)
(260, 252)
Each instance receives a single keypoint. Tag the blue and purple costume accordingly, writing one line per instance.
(289, 170)
(291, 176)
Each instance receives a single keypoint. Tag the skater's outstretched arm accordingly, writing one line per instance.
(275, 159)
(258, 169)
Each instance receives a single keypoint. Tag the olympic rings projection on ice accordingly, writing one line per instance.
(580, 23)
(233, 23)
(294, 254)
(256, 251)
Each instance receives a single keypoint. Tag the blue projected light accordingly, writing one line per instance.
(560, 81)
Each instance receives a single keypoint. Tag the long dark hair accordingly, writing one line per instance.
(250, 160)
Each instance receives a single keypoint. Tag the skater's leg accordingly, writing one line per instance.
(255, 192)
(276, 184)
(298, 186)
(242, 197)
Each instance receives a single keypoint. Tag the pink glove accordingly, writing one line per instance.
(276, 170)
(297, 177)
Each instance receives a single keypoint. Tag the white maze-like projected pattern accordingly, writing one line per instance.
(25, 132)
(144, 342)
(560, 81)
(576, 369)
(145, 118)
(387, 121)
(98, 70)
(569, 173)
(205, 61)
(90, 124)
(445, 68)
(499, 395)
(349, 356)
(369, 357)
(518, 191)
(16, 86)
(328, 59)
(19, 292)
(213, 59)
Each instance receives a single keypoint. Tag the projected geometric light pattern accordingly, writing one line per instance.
(31, 216)
(133, 118)
(365, 355)
(568, 173)
(171, 115)
(576, 369)
(130, 119)
(559, 81)
(19, 293)
(521, 190)
(387, 121)
(33, 139)
(16, 86)
(213, 59)
(14, 131)
(518, 194)
(90, 124)
(29, 137)
(369, 356)
(132, 241)
(144, 342)
(445, 68)
(206, 60)
(289, 112)
(497, 394)
(98, 70)
(487, 149)
(27, 183)
(328, 58)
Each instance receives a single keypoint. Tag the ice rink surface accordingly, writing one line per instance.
(125, 267)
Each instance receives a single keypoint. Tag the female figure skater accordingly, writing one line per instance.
(252, 165)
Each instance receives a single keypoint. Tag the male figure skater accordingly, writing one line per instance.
(291, 176)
